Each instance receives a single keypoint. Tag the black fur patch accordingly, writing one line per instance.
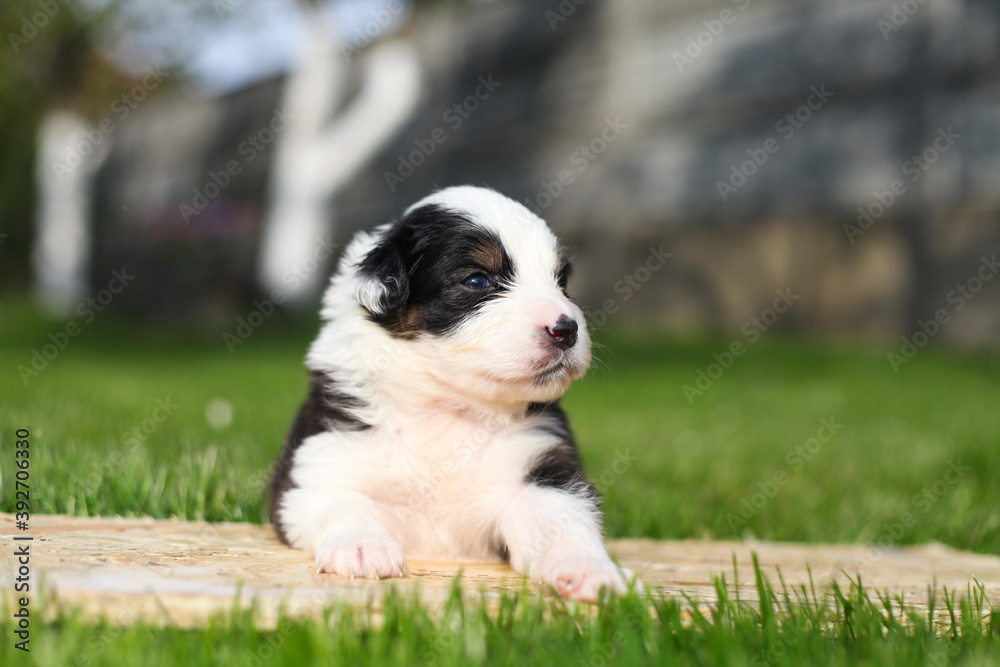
(422, 261)
(563, 274)
(558, 466)
(503, 551)
(324, 409)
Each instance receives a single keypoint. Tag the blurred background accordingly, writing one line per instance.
(223, 152)
(776, 207)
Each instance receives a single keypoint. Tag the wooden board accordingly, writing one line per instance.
(182, 573)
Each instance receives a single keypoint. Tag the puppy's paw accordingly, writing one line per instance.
(362, 554)
(584, 577)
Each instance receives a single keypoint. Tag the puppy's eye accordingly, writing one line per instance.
(477, 281)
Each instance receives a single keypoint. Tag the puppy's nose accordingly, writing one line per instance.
(563, 334)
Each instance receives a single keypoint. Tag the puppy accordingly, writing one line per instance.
(432, 429)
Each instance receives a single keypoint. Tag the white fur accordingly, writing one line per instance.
(441, 474)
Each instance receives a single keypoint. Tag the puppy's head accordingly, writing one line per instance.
(474, 284)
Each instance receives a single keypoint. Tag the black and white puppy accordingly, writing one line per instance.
(433, 428)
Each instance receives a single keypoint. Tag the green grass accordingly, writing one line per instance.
(786, 627)
(667, 467)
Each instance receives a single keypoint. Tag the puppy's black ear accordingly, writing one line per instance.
(383, 285)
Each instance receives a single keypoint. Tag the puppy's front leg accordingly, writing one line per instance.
(344, 531)
(554, 536)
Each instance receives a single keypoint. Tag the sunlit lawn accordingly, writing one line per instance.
(806, 441)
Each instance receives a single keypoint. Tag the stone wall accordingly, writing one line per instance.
(848, 150)
(750, 135)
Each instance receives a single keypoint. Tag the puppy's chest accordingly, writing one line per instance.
(429, 462)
